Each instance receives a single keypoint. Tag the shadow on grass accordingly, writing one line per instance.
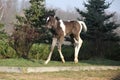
(68, 52)
(104, 62)
(117, 77)
(90, 62)
(39, 63)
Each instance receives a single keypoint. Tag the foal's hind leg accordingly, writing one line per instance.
(59, 48)
(78, 43)
(54, 41)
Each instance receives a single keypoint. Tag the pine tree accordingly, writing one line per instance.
(100, 28)
(35, 15)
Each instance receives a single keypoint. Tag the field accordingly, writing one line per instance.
(62, 75)
(66, 75)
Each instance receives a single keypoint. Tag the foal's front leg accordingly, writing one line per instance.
(59, 49)
(61, 55)
(54, 41)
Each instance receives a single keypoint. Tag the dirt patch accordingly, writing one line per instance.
(65, 75)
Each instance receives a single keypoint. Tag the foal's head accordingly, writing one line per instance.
(51, 22)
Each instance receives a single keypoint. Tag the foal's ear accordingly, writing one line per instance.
(57, 18)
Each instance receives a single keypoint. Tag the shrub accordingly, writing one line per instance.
(39, 51)
(113, 51)
(67, 51)
(109, 50)
(5, 50)
(22, 40)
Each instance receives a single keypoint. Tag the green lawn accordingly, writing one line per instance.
(36, 63)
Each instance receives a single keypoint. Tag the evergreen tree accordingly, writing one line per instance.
(100, 27)
(35, 14)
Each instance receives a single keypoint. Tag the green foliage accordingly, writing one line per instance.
(3, 46)
(5, 50)
(2, 33)
(28, 29)
(67, 51)
(113, 51)
(1, 25)
(98, 22)
(100, 27)
(20, 21)
(107, 50)
(35, 14)
(39, 51)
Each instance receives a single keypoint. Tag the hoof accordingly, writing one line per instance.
(46, 62)
(76, 61)
(63, 61)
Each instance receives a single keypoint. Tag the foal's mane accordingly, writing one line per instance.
(57, 18)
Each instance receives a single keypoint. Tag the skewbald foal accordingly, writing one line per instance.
(60, 29)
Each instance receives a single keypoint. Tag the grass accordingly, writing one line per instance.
(38, 63)
(66, 75)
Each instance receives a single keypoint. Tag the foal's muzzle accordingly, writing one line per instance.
(48, 27)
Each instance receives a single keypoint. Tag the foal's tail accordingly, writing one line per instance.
(84, 27)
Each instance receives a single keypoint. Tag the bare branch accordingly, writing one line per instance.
(1, 7)
(2, 12)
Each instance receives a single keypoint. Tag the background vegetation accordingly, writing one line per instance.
(31, 40)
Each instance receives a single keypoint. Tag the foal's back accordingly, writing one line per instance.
(72, 27)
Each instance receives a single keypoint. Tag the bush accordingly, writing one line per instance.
(3, 48)
(6, 51)
(67, 51)
(109, 50)
(86, 51)
(39, 51)
(113, 51)
(22, 39)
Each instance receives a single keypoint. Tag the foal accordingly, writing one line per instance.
(60, 29)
